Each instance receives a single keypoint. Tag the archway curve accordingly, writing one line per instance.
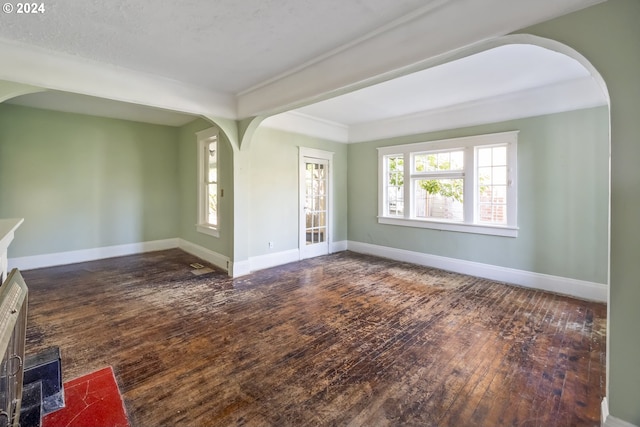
(511, 39)
(248, 126)
(10, 90)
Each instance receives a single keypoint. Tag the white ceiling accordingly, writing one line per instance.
(223, 45)
(499, 71)
(235, 59)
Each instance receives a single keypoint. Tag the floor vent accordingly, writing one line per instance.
(199, 269)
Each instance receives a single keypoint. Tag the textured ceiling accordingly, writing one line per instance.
(237, 59)
(224, 45)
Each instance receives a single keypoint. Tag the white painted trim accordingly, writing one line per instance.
(207, 229)
(561, 285)
(316, 249)
(607, 420)
(470, 145)
(557, 98)
(41, 68)
(83, 255)
(395, 49)
(219, 260)
(293, 121)
(261, 262)
(338, 246)
(285, 257)
(203, 138)
(459, 227)
(239, 268)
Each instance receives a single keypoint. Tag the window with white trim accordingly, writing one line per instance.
(208, 181)
(463, 184)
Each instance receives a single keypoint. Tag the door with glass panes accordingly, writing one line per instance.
(314, 209)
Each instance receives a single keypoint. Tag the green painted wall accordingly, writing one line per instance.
(188, 188)
(562, 199)
(274, 189)
(608, 35)
(83, 182)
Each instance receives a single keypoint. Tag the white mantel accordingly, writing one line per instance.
(7, 230)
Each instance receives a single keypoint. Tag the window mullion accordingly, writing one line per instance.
(469, 185)
(408, 187)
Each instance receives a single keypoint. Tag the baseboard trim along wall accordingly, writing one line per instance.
(561, 285)
(274, 259)
(82, 255)
(219, 260)
(607, 420)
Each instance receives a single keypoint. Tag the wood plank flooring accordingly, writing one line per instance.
(339, 340)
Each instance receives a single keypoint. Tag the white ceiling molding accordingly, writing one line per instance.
(83, 104)
(417, 35)
(9, 90)
(556, 98)
(293, 121)
(38, 67)
(399, 50)
(560, 97)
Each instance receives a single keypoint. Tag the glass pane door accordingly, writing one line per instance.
(316, 202)
(315, 207)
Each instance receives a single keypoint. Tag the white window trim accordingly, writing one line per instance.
(469, 144)
(202, 226)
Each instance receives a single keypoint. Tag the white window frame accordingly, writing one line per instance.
(469, 145)
(204, 138)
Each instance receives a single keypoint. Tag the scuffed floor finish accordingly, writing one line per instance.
(339, 340)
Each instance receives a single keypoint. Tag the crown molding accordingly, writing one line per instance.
(557, 98)
(293, 121)
(398, 49)
(41, 68)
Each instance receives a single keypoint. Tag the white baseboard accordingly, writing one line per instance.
(561, 285)
(239, 268)
(607, 420)
(83, 255)
(338, 246)
(273, 259)
(219, 260)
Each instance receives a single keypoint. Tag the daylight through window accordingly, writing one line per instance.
(463, 184)
(208, 181)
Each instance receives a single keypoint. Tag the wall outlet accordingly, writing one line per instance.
(270, 245)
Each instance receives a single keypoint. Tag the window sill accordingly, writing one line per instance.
(451, 226)
(207, 229)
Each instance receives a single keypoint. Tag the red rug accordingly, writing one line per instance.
(90, 401)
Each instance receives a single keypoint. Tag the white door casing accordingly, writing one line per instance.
(315, 219)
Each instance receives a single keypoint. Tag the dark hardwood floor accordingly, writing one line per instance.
(339, 340)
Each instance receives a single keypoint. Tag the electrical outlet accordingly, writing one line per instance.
(270, 245)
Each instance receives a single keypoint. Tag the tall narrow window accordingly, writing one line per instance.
(208, 181)
(394, 185)
(492, 185)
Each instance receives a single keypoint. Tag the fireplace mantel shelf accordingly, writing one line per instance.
(7, 230)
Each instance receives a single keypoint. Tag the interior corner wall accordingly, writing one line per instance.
(563, 162)
(82, 182)
(188, 189)
(275, 194)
